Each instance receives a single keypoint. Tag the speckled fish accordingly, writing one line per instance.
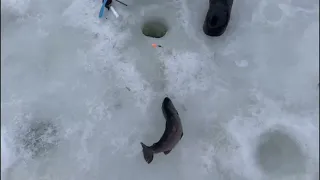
(171, 136)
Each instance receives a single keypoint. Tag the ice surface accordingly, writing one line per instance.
(248, 100)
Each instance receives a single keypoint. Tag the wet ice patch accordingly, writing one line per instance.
(279, 155)
(258, 151)
(37, 138)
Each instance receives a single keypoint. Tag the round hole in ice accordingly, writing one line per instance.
(155, 28)
(279, 155)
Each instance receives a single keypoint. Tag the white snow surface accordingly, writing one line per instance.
(248, 100)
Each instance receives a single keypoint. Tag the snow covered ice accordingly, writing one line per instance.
(248, 100)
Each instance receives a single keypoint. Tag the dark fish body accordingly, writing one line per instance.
(171, 136)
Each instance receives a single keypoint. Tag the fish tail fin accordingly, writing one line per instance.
(147, 153)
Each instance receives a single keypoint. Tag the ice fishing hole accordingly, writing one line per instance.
(155, 28)
(278, 154)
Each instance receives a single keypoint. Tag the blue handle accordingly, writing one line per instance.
(102, 8)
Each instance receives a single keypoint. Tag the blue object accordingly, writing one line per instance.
(102, 8)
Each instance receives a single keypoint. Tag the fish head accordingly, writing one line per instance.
(168, 108)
